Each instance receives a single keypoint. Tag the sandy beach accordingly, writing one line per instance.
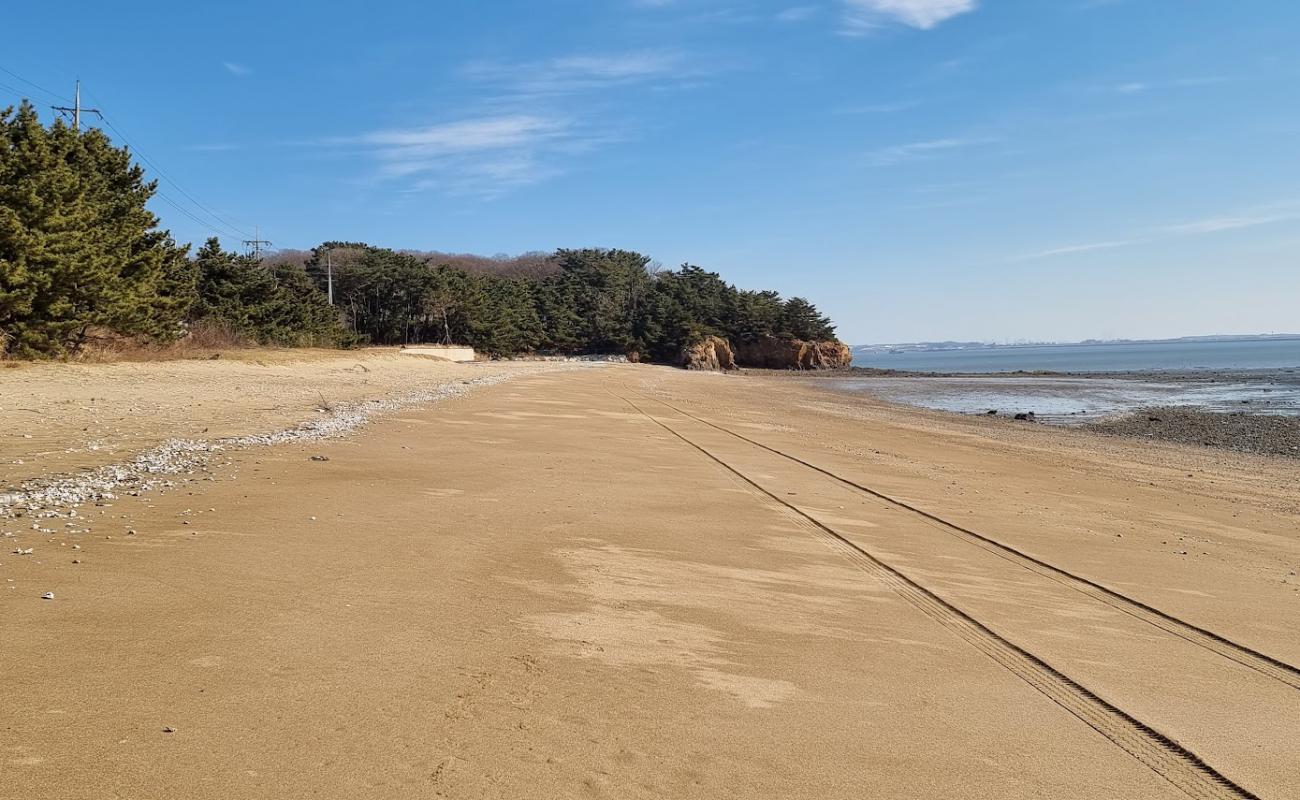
(549, 580)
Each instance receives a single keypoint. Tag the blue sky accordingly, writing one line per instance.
(921, 169)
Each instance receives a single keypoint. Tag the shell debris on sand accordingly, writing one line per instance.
(60, 496)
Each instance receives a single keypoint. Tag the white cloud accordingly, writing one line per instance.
(862, 16)
(218, 147)
(1200, 227)
(534, 117)
(492, 133)
(1139, 87)
(569, 74)
(879, 108)
(1227, 223)
(1075, 248)
(482, 156)
(238, 70)
(486, 178)
(898, 153)
(796, 14)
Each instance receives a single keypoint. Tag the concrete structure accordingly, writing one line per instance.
(445, 352)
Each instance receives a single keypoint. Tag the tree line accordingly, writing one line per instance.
(82, 258)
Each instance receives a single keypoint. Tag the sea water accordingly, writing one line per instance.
(1076, 400)
(1254, 377)
(1258, 354)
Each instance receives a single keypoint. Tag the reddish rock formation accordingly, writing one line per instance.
(710, 353)
(773, 353)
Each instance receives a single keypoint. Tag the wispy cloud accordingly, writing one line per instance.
(879, 108)
(863, 16)
(528, 122)
(1199, 227)
(485, 178)
(1071, 249)
(216, 147)
(580, 73)
(533, 118)
(236, 69)
(1228, 223)
(483, 156)
(466, 136)
(796, 14)
(1141, 87)
(899, 153)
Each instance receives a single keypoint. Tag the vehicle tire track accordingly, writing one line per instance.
(1179, 766)
(1221, 645)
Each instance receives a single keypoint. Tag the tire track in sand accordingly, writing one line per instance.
(1263, 663)
(1166, 757)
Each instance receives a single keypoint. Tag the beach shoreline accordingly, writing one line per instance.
(1245, 410)
(632, 575)
(506, 567)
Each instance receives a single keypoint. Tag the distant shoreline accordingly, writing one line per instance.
(1245, 355)
(951, 347)
(1287, 374)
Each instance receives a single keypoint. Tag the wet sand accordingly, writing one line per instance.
(1076, 399)
(589, 583)
(1249, 412)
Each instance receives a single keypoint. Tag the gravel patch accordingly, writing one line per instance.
(42, 500)
(1245, 433)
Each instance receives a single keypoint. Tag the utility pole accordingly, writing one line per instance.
(329, 274)
(76, 109)
(256, 243)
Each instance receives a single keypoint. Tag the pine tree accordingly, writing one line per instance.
(29, 217)
(754, 315)
(800, 319)
(80, 254)
(278, 306)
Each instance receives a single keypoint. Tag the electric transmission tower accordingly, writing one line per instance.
(256, 243)
(76, 109)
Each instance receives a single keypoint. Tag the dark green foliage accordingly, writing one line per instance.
(588, 301)
(758, 314)
(609, 293)
(687, 305)
(395, 298)
(80, 255)
(800, 319)
(269, 305)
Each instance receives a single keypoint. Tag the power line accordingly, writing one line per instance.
(11, 73)
(18, 92)
(231, 227)
(191, 215)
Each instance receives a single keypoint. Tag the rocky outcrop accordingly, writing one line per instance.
(710, 353)
(772, 353)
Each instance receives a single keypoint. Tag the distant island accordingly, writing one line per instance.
(926, 347)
